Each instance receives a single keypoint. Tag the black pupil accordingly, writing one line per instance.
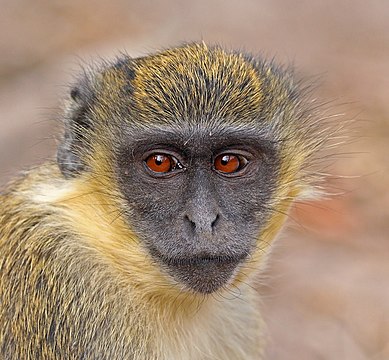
(225, 159)
(159, 159)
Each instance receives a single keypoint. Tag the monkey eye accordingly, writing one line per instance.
(162, 163)
(230, 163)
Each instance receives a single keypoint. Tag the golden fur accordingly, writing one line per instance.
(66, 241)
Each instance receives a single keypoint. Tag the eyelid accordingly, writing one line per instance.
(236, 151)
(162, 151)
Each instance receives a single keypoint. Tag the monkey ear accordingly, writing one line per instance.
(77, 124)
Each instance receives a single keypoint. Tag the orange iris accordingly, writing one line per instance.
(159, 163)
(227, 163)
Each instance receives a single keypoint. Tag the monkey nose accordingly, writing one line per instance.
(202, 223)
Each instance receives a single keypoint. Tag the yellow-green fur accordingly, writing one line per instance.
(168, 324)
(99, 267)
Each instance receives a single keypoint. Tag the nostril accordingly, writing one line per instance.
(191, 223)
(215, 221)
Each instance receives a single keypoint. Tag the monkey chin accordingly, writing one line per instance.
(203, 274)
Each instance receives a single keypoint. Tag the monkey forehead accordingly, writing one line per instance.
(192, 83)
(201, 137)
(195, 81)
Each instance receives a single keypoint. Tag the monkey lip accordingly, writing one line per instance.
(203, 274)
(203, 260)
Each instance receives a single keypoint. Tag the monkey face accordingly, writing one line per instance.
(198, 198)
(205, 147)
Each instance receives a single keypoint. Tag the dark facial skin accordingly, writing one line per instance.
(197, 221)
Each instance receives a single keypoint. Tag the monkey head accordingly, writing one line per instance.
(204, 151)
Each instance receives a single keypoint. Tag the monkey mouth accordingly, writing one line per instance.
(203, 260)
(203, 274)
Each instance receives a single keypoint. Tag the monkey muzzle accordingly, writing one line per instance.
(203, 274)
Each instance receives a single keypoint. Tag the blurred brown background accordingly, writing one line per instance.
(326, 290)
